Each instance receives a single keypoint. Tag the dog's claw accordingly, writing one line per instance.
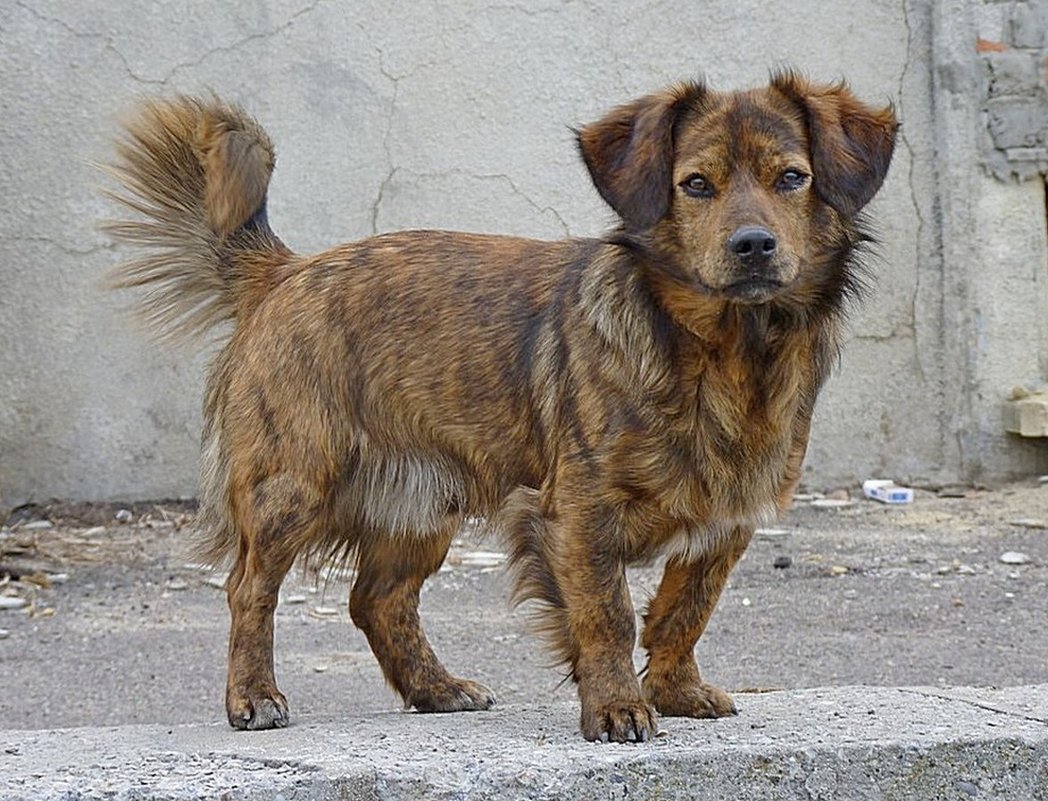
(620, 722)
(692, 700)
(459, 695)
(262, 713)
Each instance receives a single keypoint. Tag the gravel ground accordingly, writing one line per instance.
(105, 622)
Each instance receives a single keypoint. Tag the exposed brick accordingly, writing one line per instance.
(1014, 72)
(1018, 122)
(987, 46)
(1016, 87)
(1029, 25)
(1027, 154)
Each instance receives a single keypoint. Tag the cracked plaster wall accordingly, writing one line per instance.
(434, 114)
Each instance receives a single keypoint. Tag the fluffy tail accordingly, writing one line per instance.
(197, 172)
(532, 558)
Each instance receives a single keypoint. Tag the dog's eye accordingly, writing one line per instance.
(697, 186)
(791, 180)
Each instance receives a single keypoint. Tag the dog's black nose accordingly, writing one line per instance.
(752, 245)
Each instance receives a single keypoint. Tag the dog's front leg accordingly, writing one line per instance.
(675, 620)
(590, 573)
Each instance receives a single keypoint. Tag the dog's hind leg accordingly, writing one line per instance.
(675, 620)
(269, 519)
(384, 605)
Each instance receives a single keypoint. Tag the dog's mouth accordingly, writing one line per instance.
(753, 289)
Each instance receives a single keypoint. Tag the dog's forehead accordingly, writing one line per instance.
(743, 126)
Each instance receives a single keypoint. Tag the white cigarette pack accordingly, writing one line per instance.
(886, 491)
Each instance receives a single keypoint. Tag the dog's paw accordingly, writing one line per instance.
(619, 722)
(453, 695)
(262, 711)
(693, 700)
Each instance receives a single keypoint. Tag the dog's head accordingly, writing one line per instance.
(746, 195)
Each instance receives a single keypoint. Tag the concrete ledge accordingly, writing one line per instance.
(852, 743)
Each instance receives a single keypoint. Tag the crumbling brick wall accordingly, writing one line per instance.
(1016, 90)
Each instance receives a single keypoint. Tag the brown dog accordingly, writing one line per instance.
(604, 401)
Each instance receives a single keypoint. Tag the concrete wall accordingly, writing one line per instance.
(405, 114)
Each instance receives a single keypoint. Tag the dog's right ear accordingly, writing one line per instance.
(629, 153)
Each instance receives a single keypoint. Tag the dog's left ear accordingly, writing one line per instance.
(851, 143)
(629, 153)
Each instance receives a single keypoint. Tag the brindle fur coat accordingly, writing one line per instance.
(602, 401)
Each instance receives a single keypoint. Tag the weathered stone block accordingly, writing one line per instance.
(1018, 122)
(1013, 72)
(1029, 25)
(1027, 154)
(1027, 414)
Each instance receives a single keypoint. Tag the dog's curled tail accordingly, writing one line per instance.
(196, 171)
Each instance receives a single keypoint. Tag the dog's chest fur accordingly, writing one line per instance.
(722, 462)
(701, 434)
